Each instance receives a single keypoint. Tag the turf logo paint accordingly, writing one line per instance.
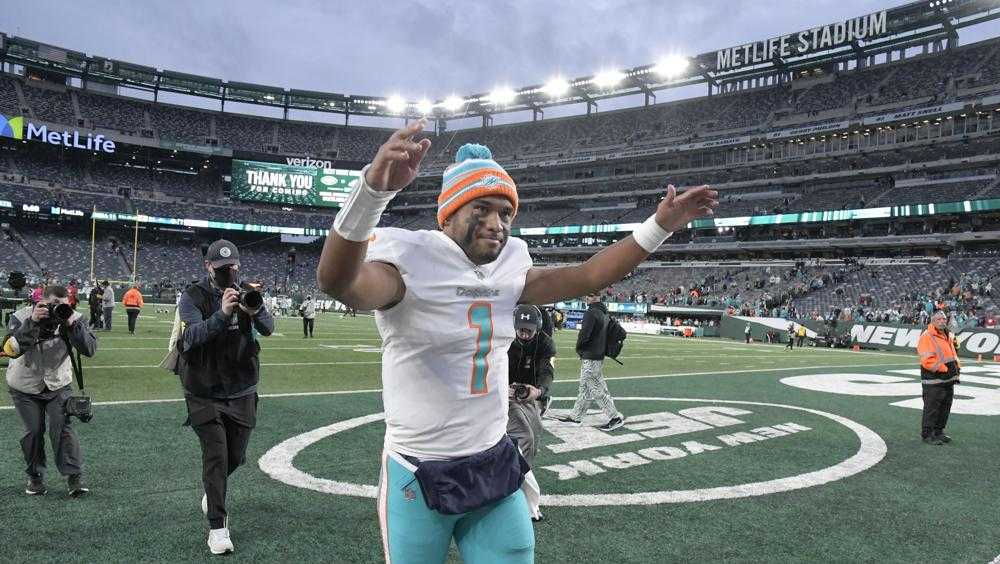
(708, 414)
(978, 394)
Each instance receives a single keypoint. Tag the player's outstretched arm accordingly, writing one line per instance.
(547, 285)
(342, 273)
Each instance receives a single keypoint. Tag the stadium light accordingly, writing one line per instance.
(671, 66)
(609, 78)
(452, 103)
(395, 104)
(556, 87)
(502, 96)
(425, 107)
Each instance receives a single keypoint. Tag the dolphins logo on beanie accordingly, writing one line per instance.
(474, 175)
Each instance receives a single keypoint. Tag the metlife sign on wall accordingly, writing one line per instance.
(794, 44)
(21, 128)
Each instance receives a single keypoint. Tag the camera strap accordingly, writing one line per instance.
(74, 360)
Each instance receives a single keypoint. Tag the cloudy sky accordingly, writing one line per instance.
(420, 48)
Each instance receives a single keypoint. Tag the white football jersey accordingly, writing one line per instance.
(444, 357)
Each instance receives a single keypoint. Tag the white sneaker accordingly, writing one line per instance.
(219, 541)
(204, 504)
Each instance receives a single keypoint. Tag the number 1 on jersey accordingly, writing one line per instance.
(481, 318)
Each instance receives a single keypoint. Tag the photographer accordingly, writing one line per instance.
(219, 369)
(39, 379)
(529, 365)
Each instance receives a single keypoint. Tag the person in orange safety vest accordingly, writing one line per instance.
(939, 372)
(133, 303)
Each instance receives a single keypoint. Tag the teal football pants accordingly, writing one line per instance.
(412, 533)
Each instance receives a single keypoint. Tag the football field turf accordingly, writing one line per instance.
(732, 452)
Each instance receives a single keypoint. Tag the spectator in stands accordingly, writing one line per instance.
(108, 304)
(132, 300)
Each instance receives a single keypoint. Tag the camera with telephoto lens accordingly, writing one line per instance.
(59, 313)
(79, 407)
(251, 299)
(521, 391)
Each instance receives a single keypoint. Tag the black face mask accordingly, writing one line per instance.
(224, 276)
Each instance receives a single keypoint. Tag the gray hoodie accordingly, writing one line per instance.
(45, 365)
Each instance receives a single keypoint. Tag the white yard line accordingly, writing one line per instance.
(347, 392)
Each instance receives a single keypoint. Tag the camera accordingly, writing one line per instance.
(251, 299)
(59, 313)
(521, 391)
(79, 407)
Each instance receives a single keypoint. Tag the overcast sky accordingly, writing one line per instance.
(418, 48)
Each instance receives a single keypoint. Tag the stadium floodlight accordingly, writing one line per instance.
(671, 66)
(452, 103)
(425, 107)
(395, 104)
(502, 96)
(608, 78)
(556, 87)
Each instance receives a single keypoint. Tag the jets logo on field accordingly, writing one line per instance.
(979, 393)
(671, 450)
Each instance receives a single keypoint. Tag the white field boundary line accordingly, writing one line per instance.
(572, 380)
(339, 362)
(760, 346)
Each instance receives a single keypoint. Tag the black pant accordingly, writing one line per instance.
(33, 409)
(800, 341)
(132, 314)
(747, 335)
(791, 342)
(937, 407)
(223, 428)
(307, 327)
(95, 319)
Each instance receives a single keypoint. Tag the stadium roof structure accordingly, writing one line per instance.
(776, 58)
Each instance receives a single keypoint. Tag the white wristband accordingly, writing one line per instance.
(359, 215)
(649, 235)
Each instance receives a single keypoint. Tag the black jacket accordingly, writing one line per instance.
(94, 300)
(218, 353)
(592, 340)
(531, 362)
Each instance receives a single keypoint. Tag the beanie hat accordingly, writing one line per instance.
(474, 175)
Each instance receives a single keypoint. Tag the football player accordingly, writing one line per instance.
(444, 303)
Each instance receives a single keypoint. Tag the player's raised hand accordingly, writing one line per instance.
(675, 212)
(398, 160)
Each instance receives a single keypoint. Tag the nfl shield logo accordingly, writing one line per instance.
(409, 494)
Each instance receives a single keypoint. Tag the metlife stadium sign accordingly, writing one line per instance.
(20, 128)
(795, 44)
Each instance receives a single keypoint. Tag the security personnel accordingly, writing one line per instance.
(939, 372)
(219, 369)
(133, 304)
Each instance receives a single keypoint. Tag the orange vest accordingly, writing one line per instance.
(132, 298)
(936, 349)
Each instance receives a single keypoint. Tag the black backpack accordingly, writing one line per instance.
(614, 340)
